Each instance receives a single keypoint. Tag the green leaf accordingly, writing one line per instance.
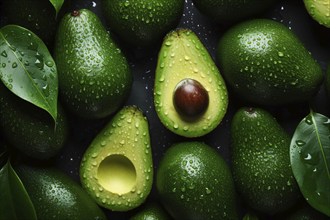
(15, 202)
(310, 160)
(27, 68)
(57, 5)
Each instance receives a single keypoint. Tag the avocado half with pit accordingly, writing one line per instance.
(117, 169)
(190, 95)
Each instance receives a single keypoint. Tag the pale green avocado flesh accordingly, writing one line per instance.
(117, 174)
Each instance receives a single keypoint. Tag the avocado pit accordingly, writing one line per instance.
(117, 174)
(190, 98)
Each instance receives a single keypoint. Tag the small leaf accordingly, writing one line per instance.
(27, 68)
(57, 5)
(15, 203)
(310, 160)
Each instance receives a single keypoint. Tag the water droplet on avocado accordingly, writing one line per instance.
(14, 65)
(168, 43)
(103, 143)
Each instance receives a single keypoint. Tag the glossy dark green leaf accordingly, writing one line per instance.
(27, 68)
(15, 203)
(57, 5)
(310, 160)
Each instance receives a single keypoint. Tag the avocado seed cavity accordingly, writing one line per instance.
(117, 174)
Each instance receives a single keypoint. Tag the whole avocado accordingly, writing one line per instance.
(30, 129)
(94, 76)
(142, 22)
(232, 10)
(56, 196)
(261, 162)
(265, 63)
(194, 182)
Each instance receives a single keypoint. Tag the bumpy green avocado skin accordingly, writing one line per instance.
(232, 10)
(194, 182)
(265, 63)
(151, 212)
(94, 76)
(261, 161)
(39, 16)
(56, 196)
(143, 22)
(31, 129)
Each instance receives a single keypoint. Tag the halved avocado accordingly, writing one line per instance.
(190, 95)
(117, 169)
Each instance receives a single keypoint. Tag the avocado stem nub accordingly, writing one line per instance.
(75, 13)
(250, 110)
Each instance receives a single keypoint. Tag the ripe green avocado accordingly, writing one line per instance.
(232, 10)
(190, 96)
(142, 22)
(56, 196)
(30, 129)
(117, 169)
(194, 182)
(152, 211)
(319, 11)
(261, 161)
(39, 16)
(94, 76)
(265, 63)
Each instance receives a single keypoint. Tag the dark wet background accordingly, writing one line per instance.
(143, 63)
